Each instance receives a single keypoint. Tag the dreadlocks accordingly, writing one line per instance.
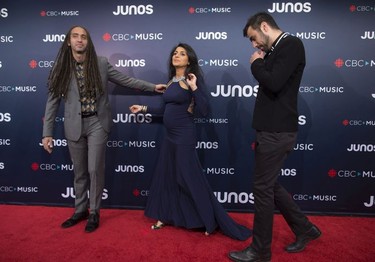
(63, 69)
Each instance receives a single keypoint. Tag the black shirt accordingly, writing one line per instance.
(279, 76)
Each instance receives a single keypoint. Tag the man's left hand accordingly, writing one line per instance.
(160, 88)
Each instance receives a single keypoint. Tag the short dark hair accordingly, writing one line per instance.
(256, 20)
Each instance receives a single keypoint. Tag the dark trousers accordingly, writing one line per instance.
(272, 148)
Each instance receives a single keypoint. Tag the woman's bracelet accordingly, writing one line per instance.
(143, 109)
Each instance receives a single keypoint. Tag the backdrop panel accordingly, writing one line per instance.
(332, 168)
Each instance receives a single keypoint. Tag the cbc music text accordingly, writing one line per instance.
(322, 198)
(212, 10)
(220, 170)
(6, 39)
(231, 171)
(355, 174)
(303, 147)
(19, 189)
(321, 89)
(364, 8)
(60, 13)
(136, 144)
(21, 89)
(55, 167)
(136, 37)
(354, 122)
(358, 63)
(310, 35)
(218, 62)
(211, 120)
(5, 142)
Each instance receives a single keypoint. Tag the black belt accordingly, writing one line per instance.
(86, 115)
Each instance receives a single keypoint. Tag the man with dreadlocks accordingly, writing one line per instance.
(79, 77)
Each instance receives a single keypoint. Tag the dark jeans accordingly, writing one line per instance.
(272, 148)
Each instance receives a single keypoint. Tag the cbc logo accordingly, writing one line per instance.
(115, 143)
(143, 193)
(358, 123)
(59, 13)
(361, 8)
(41, 64)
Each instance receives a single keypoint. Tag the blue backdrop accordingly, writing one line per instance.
(332, 168)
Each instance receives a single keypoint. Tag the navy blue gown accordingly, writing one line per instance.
(180, 194)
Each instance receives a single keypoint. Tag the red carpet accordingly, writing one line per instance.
(33, 233)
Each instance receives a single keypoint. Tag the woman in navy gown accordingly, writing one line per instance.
(180, 194)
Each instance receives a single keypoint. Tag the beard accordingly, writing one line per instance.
(265, 46)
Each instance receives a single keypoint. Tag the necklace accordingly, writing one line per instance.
(175, 79)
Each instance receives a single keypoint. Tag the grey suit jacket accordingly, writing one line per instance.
(72, 107)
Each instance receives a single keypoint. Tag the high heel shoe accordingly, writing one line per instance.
(157, 225)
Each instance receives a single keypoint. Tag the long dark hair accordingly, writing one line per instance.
(63, 69)
(192, 67)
